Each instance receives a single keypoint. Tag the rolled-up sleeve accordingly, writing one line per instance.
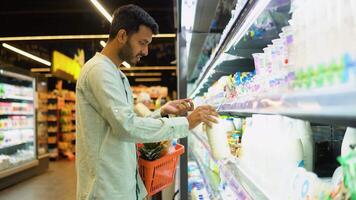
(156, 114)
(109, 92)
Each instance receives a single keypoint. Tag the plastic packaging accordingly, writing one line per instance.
(349, 139)
(217, 136)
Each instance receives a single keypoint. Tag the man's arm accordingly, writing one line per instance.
(109, 92)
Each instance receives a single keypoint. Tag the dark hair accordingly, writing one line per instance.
(130, 17)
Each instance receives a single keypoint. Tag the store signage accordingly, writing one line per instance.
(63, 63)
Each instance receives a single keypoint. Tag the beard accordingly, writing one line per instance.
(126, 54)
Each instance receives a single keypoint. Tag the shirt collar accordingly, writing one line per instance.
(110, 63)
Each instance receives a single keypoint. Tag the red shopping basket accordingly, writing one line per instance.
(159, 174)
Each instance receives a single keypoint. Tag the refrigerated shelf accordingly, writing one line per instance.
(238, 177)
(14, 97)
(233, 33)
(334, 104)
(220, 47)
(15, 128)
(213, 195)
(17, 114)
(19, 168)
(227, 169)
(14, 147)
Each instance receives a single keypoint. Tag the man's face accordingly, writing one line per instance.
(136, 45)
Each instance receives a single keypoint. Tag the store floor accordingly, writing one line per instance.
(58, 183)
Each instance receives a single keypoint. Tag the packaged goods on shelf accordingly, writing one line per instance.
(21, 156)
(218, 139)
(11, 108)
(14, 122)
(14, 137)
(16, 92)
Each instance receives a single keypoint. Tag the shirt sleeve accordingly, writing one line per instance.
(109, 92)
(155, 114)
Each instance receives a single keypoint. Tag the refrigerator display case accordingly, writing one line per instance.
(282, 72)
(18, 150)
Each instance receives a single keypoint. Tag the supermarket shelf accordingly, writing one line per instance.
(232, 179)
(224, 42)
(8, 150)
(234, 171)
(19, 168)
(43, 156)
(9, 129)
(332, 105)
(238, 178)
(52, 131)
(16, 75)
(214, 194)
(69, 131)
(16, 114)
(14, 97)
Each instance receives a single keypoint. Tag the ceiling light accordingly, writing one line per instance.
(125, 64)
(188, 14)
(24, 53)
(72, 37)
(102, 43)
(165, 35)
(40, 69)
(147, 79)
(102, 10)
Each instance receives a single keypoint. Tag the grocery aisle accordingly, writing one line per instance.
(58, 182)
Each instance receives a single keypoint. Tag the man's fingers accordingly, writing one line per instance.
(207, 107)
(191, 105)
(209, 112)
(207, 123)
(211, 119)
(188, 106)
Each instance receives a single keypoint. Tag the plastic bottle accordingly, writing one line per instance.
(172, 148)
(304, 132)
(217, 137)
(349, 139)
(293, 144)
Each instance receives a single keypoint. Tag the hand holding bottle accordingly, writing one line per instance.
(202, 114)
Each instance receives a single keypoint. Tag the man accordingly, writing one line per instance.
(107, 127)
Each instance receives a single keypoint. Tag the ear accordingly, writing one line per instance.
(121, 36)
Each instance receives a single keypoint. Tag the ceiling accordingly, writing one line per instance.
(51, 17)
(77, 17)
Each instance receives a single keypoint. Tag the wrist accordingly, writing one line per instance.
(163, 112)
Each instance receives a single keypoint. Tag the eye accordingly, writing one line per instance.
(142, 43)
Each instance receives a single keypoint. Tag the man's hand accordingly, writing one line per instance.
(202, 114)
(177, 107)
